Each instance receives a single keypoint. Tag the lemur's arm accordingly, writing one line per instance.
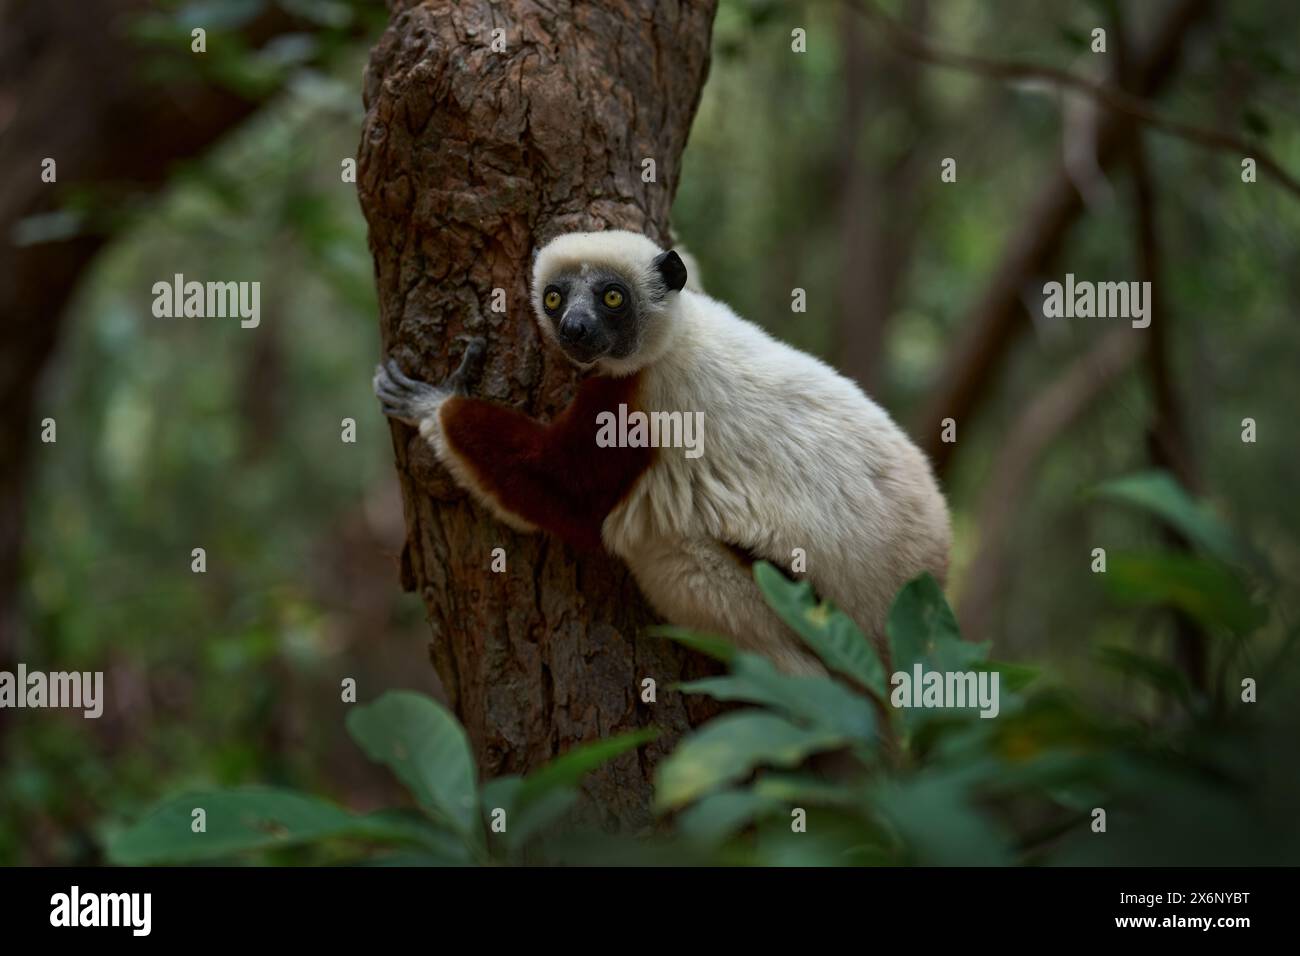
(552, 477)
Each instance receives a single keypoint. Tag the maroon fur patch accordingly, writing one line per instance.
(554, 476)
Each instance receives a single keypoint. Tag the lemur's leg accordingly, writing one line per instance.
(552, 477)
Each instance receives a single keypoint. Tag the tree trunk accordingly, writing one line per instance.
(471, 157)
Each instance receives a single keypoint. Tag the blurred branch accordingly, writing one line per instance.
(77, 86)
(992, 324)
(1057, 407)
(1103, 93)
(877, 210)
(1167, 437)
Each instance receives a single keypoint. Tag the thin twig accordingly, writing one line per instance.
(991, 326)
(1046, 416)
(1103, 93)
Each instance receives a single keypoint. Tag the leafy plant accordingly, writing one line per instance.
(842, 769)
(426, 749)
(881, 803)
(890, 784)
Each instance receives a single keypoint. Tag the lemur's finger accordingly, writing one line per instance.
(470, 369)
(399, 376)
(389, 397)
(385, 387)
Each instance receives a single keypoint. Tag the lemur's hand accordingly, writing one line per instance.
(402, 397)
(410, 400)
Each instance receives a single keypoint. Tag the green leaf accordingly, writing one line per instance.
(427, 749)
(706, 644)
(1157, 493)
(719, 816)
(923, 631)
(501, 793)
(922, 628)
(729, 748)
(237, 821)
(409, 826)
(932, 815)
(569, 768)
(542, 812)
(1163, 677)
(803, 788)
(1015, 677)
(833, 838)
(819, 701)
(1211, 593)
(830, 633)
(545, 796)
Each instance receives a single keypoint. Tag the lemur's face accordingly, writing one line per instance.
(605, 297)
(595, 313)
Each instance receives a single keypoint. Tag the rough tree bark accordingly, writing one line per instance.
(470, 158)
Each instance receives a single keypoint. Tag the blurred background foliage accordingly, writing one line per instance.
(176, 434)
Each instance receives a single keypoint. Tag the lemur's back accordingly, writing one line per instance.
(794, 456)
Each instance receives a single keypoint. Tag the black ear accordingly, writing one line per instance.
(673, 270)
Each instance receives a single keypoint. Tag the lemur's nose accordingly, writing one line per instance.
(574, 330)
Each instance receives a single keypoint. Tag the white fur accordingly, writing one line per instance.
(795, 456)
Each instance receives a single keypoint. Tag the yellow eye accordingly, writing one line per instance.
(551, 300)
(613, 298)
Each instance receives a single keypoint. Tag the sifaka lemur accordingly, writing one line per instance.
(793, 455)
